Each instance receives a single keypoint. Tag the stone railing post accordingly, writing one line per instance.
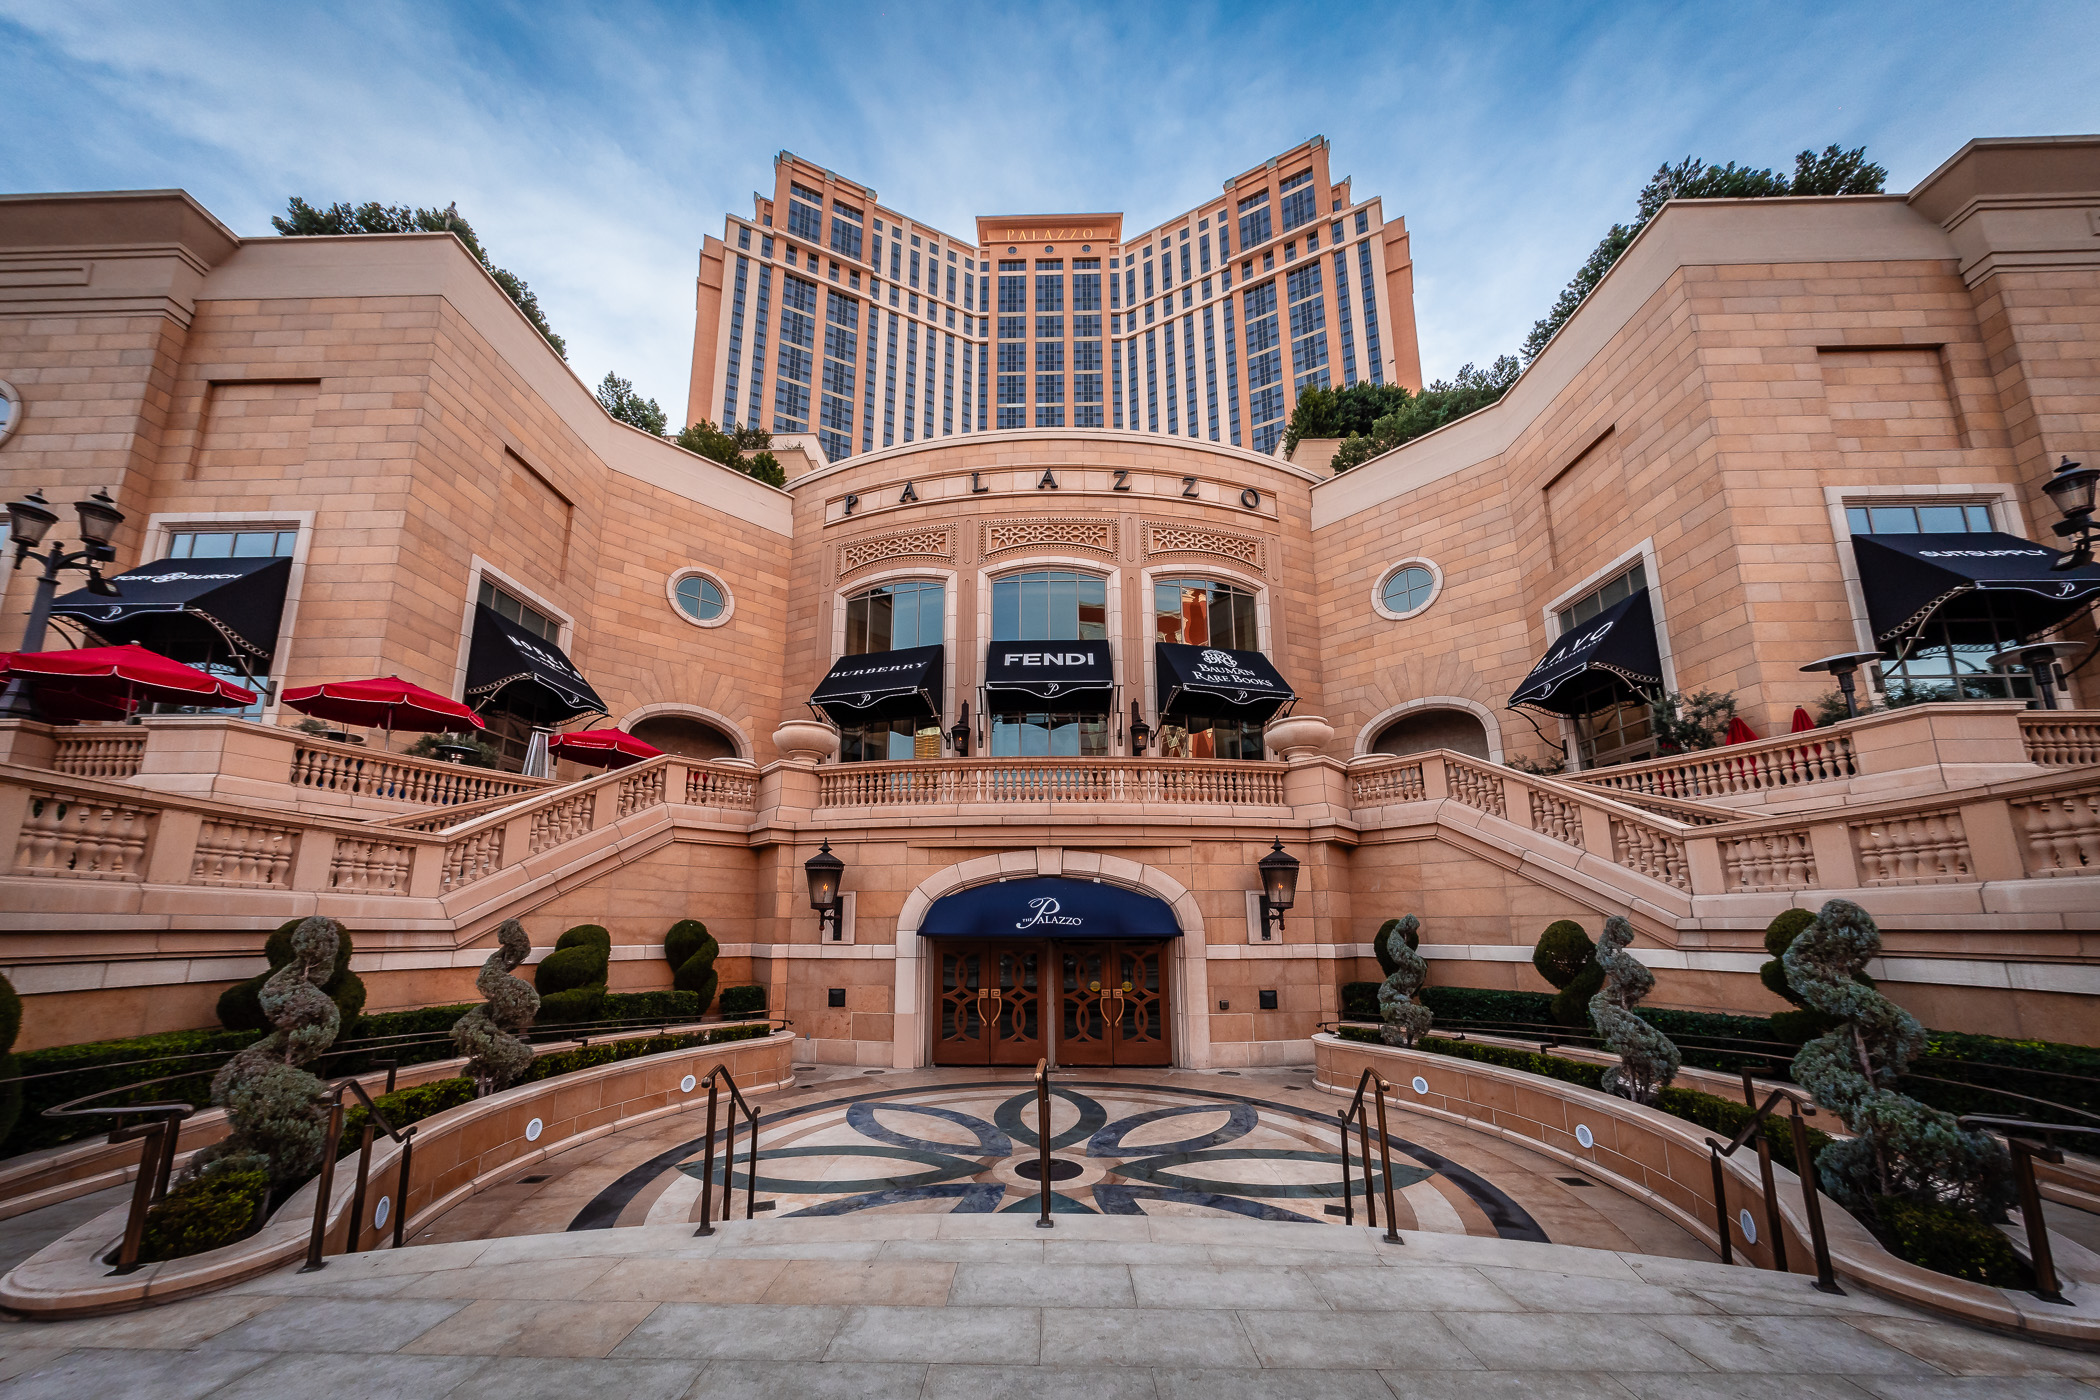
(426, 870)
(1995, 848)
(1436, 780)
(174, 846)
(1596, 829)
(1312, 782)
(1837, 865)
(312, 861)
(1702, 861)
(28, 742)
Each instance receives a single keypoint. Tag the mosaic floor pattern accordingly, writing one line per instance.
(1162, 1143)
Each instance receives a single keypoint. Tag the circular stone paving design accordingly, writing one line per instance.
(1125, 1148)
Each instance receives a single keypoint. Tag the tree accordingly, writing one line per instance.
(1445, 401)
(302, 220)
(1338, 413)
(745, 449)
(622, 402)
(1685, 723)
(1835, 171)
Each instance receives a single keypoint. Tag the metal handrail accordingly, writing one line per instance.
(1357, 1113)
(716, 1078)
(2026, 1151)
(1042, 1139)
(156, 1158)
(317, 1241)
(1804, 1163)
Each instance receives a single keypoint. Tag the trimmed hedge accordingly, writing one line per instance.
(742, 1001)
(1360, 1000)
(403, 1107)
(204, 1214)
(1950, 1241)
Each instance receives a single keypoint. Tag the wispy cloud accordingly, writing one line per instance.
(594, 149)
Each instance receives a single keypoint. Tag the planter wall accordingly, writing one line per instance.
(1663, 1161)
(457, 1153)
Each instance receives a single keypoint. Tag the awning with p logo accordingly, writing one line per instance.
(1908, 578)
(1596, 663)
(1049, 906)
(1059, 675)
(504, 655)
(879, 686)
(173, 605)
(1215, 683)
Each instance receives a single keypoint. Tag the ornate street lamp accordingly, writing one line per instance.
(823, 870)
(1279, 885)
(1842, 668)
(2070, 490)
(29, 520)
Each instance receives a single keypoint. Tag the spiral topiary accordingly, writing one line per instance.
(496, 1057)
(1648, 1060)
(1566, 958)
(275, 1108)
(691, 950)
(1801, 1024)
(1902, 1147)
(1406, 1019)
(571, 979)
(240, 1006)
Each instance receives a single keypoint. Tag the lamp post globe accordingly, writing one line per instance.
(29, 520)
(2070, 490)
(1279, 883)
(823, 870)
(99, 519)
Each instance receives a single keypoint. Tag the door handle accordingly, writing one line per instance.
(993, 995)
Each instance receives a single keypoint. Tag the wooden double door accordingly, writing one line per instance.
(1003, 1004)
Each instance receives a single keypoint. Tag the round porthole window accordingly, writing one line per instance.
(1407, 588)
(687, 1084)
(700, 598)
(10, 410)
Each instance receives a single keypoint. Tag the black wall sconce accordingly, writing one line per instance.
(1140, 732)
(823, 870)
(1279, 886)
(959, 733)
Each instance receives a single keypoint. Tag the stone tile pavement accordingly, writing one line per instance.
(918, 1305)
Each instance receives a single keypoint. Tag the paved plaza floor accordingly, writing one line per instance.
(1258, 1145)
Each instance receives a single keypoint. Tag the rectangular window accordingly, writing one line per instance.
(790, 408)
(1375, 365)
(1150, 291)
(1115, 381)
(1303, 283)
(736, 340)
(867, 409)
(1013, 358)
(1086, 354)
(845, 230)
(1203, 254)
(1173, 391)
(1300, 206)
(911, 379)
(1185, 274)
(794, 363)
(1151, 383)
(1086, 291)
(1050, 293)
(1013, 327)
(1188, 362)
(896, 264)
(757, 400)
(889, 387)
(743, 237)
(1363, 221)
(1013, 388)
(1254, 220)
(1232, 377)
(1049, 328)
(805, 214)
(1049, 355)
(1210, 372)
(969, 363)
(1086, 327)
(1013, 294)
(1935, 519)
(984, 380)
(1342, 318)
(915, 265)
(1049, 388)
(948, 386)
(838, 379)
(1086, 388)
(232, 544)
(1049, 416)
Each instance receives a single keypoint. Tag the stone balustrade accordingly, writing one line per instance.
(1052, 782)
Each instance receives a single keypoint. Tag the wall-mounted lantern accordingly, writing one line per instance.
(823, 870)
(1279, 886)
(2070, 490)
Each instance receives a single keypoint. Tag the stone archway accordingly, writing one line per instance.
(690, 731)
(1433, 722)
(911, 1034)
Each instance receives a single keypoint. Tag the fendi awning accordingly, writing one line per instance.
(1596, 662)
(1060, 675)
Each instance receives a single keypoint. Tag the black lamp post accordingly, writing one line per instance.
(823, 870)
(1279, 885)
(1140, 732)
(959, 733)
(2070, 490)
(28, 521)
(1842, 668)
(2040, 659)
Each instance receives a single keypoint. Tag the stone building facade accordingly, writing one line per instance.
(1745, 387)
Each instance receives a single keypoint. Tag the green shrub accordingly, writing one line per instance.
(653, 1006)
(607, 1052)
(1948, 1240)
(572, 1006)
(579, 960)
(403, 1107)
(742, 1001)
(240, 1006)
(1727, 1116)
(1566, 957)
(691, 950)
(1360, 1001)
(212, 1210)
(1548, 1066)
(1800, 1025)
(1382, 948)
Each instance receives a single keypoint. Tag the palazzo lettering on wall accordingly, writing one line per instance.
(1237, 497)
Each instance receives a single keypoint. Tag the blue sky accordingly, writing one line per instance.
(593, 148)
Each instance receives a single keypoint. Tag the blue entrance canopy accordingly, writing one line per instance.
(1048, 906)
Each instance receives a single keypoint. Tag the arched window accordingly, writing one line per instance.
(1206, 613)
(1052, 605)
(1419, 731)
(894, 617)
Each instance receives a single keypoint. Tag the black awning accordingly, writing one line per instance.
(1049, 906)
(1907, 578)
(882, 685)
(1066, 675)
(171, 605)
(1596, 662)
(1212, 683)
(504, 655)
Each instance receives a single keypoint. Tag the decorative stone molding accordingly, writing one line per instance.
(937, 542)
(1063, 532)
(1164, 537)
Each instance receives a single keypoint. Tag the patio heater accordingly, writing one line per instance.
(1842, 668)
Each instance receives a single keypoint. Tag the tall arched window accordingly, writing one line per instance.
(1206, 613)
(1054, 605)
(894, 617)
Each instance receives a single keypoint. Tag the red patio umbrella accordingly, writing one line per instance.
(111, 682)
(602, 748)
(1803, 720)
(384, 702)
(1739, 732)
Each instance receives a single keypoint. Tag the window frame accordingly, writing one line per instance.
(1642, 553)
(1436, 588)
(159, 538)
(17, 410)
(678, 576)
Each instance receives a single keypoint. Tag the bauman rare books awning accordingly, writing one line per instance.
(1049, 906)
(1907, 578)
(1062, 675)
(1595, 662)
(504, 654)
(171, 605)
(1216, 683)
(878, 686)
